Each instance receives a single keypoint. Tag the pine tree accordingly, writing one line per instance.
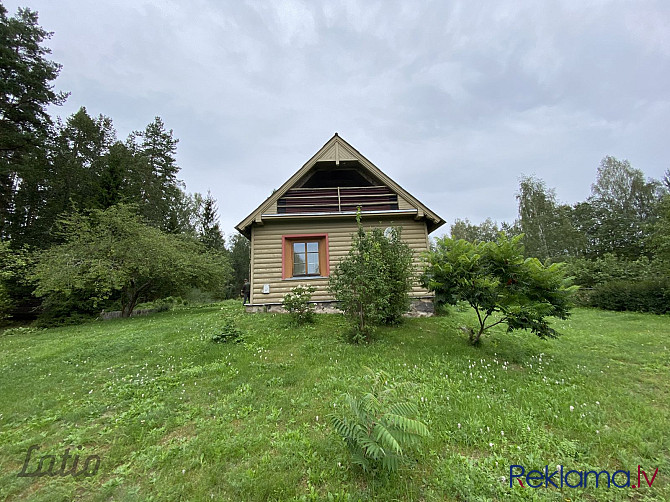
(26, 90)
(210, 231)
(155, 174)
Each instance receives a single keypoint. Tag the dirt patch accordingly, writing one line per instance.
(182, 433)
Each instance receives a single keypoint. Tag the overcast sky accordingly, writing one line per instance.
(453, 100)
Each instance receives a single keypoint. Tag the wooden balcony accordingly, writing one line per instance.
(337, 200)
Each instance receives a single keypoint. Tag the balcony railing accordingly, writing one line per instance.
(337, 200)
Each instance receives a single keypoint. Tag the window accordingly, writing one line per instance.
(305, 256)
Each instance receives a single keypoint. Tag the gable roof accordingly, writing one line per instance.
(337, 149)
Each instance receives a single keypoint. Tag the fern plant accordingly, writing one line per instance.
(229, 333)
(380, 429)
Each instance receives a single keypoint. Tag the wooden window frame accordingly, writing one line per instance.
(287, 255)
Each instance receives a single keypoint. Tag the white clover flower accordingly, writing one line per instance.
(572, 408)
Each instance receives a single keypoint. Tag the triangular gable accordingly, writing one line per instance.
(337, 149)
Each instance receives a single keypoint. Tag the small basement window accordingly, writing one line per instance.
(305, 256)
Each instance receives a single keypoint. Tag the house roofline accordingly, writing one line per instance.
(259, 213)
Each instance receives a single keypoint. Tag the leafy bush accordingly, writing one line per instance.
(21, 330)
(59, 309)
(640, 296)
(609, 267)
(372, 283)
(15, 267)
(164, 304)
(499, 284)
(379, 429)
(296, 302)
(5, 302)
(229, 333)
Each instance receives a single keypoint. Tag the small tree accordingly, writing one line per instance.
(373, 281)
(499, 284)
(111, 254)
(296, 303)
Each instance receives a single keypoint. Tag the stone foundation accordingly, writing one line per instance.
(419, 307)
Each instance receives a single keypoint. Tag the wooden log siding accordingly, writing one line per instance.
(267, 252)
(338, 199)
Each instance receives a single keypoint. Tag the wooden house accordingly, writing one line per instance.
(299, 233)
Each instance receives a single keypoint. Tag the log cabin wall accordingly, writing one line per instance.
(266, 250)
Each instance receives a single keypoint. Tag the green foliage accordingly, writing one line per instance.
(5, 274)
(651, 295)
(297, 303)
(25, 87)
(485, 231)
(240, 259)
(210, 231)
(373, 281)
(609, 267)
(164, 304)
(15, 266)
(21, 330)
(660, 237)
(26, 90)
(111, 254)
(546, 224)
(156, 189)
(229, 332)
(623, 209)
(380, 428)
(496, 280)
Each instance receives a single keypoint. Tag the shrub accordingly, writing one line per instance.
(21, 330)
(379, 429)
(609, 267)
(499, 284)
(640, 296)
(229, 333)
(373, 281)
(297, 303)
(165, 304)
(5, 302)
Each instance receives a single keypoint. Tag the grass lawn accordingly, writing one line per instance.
(173, 416)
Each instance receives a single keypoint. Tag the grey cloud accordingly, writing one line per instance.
(454, 100)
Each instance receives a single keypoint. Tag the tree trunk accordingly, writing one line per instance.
(474, 339)
(131, 298)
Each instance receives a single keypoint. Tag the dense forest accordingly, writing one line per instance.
(89, 221)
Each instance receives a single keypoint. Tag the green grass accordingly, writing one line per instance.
(175, 417)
